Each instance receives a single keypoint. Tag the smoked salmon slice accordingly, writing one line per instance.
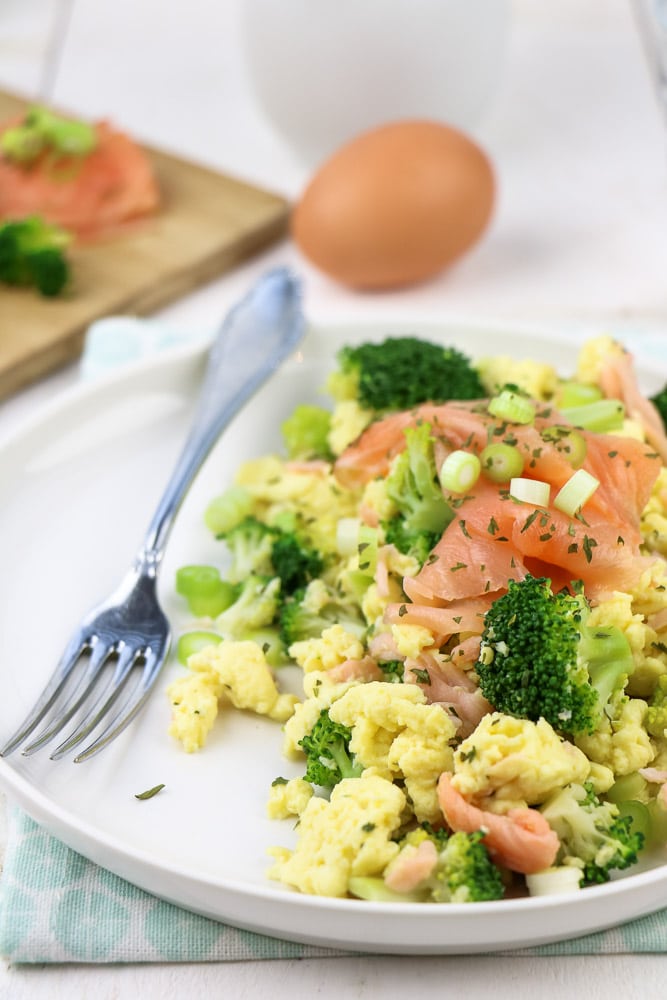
(521, 839)
(87, 195)
(492, 538)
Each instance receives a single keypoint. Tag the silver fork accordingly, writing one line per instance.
(130, 626)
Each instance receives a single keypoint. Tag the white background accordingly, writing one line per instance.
(578, 240)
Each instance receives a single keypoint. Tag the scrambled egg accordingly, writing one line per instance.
(349, 835)
(334, 646)
(411, 639)
(395, 735)
(320, 693)
(236, 672)
(374, 603)
(288, 798)
(536, 378)
(194, 707)
(317, 498)
(621, 743)
(515, 761)
(593, 355)
(348, 420)
(376, 501)
(653, 523)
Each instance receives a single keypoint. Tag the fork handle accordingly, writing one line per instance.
(257, 335)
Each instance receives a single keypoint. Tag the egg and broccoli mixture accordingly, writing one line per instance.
(464, 730)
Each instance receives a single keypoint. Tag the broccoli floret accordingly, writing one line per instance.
(539, 659)
(592, 831)
(267, 550)
(660, 403)
(418, 544)
(656, 717)
(32, 254)
(300, 620)
(402, 372)
(294, 562)
(465, 872)
(250, 543)
(413, 486)
(306, 432)
(255, 607)
(327, 751)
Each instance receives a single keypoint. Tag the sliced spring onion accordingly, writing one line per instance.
(501, 462)
(227, 510)
(531, 491)
(207, 595)
(658, 814)
(375, 889)
(577, 394)
(269, 641)
(354, 537)
(194, 642)
(639, 814)
(554, 881)
(577, 491)
(460, 471)
(571, 444)
(347, 535)
(512, 406)
(629, 786)
(603, 416)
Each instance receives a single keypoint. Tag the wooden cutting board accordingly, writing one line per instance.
(209, 223)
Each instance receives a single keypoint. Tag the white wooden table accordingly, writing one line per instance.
(579, 239)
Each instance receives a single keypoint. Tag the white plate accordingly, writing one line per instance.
(77, 486)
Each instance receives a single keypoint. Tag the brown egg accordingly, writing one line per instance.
(395, 205)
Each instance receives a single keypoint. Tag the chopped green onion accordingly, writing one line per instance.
(629, 786)
(21, 144)
(227, 510)
(658, 813)
(639, 814)
(357, 583)
(512, 406)
(577, 491)
(460, 471)
(571, 445)
(42, 130)
(577, 394)
(531, 491)
(205, 592)
(65, 135)
(268, 639)
(355, 537)
(604, 416)
(376, 890)
(501, 462)
(554, 881)
(347, 535)
(194, 642)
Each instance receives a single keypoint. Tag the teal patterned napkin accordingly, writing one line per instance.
(55, 906)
